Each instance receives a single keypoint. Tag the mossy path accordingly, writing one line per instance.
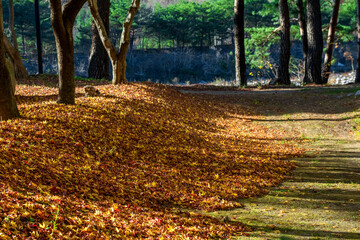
(322, 199)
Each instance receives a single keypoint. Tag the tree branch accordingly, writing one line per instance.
(71, 9)
(125, 35)
(275, 31)
(101, 29)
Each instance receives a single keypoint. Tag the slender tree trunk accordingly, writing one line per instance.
(99, 59)
(125, 41)
(8, 108)
(38, 37)
(284, 77)
(132, 38)
(315, 41)
(63, 18)
(13, 50)
(159, 42)
(330, 42)
(303, 33)
(118, 60)
(11, 25)
(23, 43)
(357, 78)
(239, 34)
(20, 70)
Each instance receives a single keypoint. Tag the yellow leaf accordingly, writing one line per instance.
(171, 229)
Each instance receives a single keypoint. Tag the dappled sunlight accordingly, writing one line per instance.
(128, 162)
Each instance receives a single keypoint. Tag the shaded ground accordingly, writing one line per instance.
(135, 162)
(322, 200)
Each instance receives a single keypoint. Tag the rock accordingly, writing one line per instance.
(91, 91)
(226, 219)
(357, 93)
(11, 70)
(350, 94)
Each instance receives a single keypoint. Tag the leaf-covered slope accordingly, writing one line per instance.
(127, 164)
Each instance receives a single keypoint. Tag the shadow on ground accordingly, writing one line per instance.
(322, 199)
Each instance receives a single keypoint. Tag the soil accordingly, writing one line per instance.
(322, 199)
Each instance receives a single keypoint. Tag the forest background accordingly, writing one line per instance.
(187, 42)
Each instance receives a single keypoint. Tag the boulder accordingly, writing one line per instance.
(91, 91)
(357, 93)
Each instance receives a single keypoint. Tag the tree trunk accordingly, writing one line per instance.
(99, 59)
(11, 25)
(20, 70)
(119, 71)
(23, 43)
(357, 78)
(239, 34)
(330, 42)
(284, 77)
(118, 60)
(315, 41)
(62, 19)
(303, 33)
(8, 108)
(38, 37)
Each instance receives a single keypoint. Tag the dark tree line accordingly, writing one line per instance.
(310, 25)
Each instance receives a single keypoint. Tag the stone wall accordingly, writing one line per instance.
(193, 65)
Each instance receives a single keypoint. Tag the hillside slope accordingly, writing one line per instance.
(134, 162)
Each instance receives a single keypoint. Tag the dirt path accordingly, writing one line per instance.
(322, 200)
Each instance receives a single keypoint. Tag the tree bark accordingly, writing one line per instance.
(8, 107)
(118, 60)
(11, 25)
(330, 42)
(20, 70)
(99, 59)
(38, 36)
(13, 50)
(62, 19)
(357, 78)
(284, 77)
(315, 41)
(303, 33)
(239, 35)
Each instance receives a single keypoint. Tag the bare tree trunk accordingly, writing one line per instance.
(118, 70)
(23, 43)
(8, 107)
(357, 78)
(284, 77)
(38, 37)
(303, 33)
(118, 60)
(239, 34)
(62, 19)
(11, 25)
(13, 50)
(315, 41)
(20, 70)
(330, 42)
(99, 59)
